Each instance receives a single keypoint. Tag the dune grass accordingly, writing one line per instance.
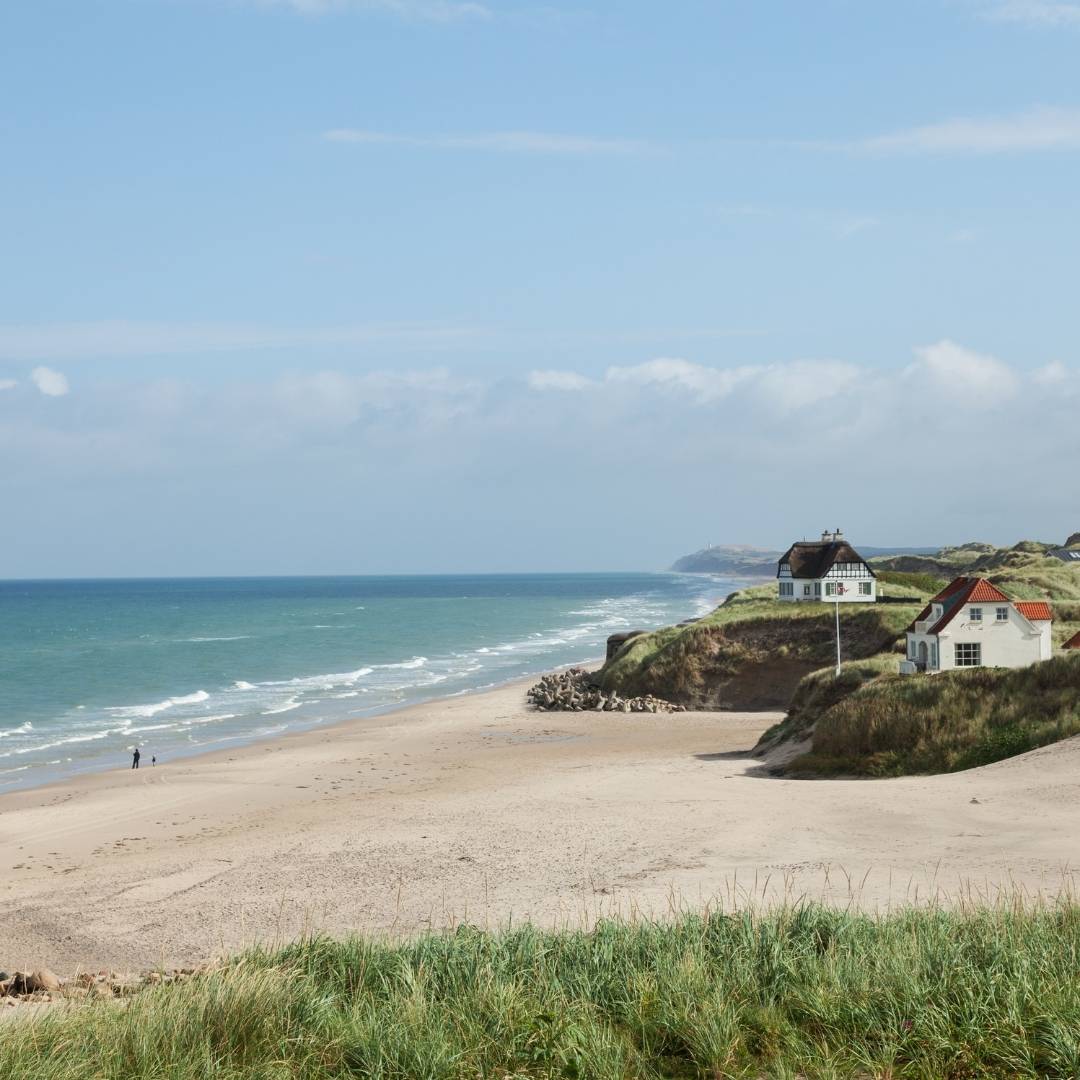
(894, 725)
(752, 651)
(796, 992)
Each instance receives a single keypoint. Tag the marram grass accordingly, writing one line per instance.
(796, 992)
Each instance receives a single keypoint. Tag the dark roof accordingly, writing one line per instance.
(815, 558)
(1073, 642)
(1069, 555)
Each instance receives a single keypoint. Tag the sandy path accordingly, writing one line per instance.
(477, 809)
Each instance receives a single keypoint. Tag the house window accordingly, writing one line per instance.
(817, 588)
(933, 655)
(866, 588)
(976, 614)
(787, 588)
(968, 654)
(830, 588)
(806, 590)
(912, 648)
(1002, 614)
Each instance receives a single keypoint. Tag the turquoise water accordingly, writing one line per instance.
(90, 669)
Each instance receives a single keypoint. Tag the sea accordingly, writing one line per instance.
(91, 669)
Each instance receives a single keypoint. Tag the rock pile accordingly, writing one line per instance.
(44, 986)
(575, 690)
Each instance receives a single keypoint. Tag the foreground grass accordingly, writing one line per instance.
(806, 992)
(892, 724)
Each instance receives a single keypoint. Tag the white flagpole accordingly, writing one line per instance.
(838, 637)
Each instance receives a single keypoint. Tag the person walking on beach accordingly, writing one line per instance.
(135, 758)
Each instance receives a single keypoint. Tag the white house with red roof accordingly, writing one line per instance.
(972, 623)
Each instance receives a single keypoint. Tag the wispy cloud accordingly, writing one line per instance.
(8, 384)
(558, 380)
(421, 10)
(50, 383)
(119, 338)
(1040, 128)
(514, 142)
(1035, 12)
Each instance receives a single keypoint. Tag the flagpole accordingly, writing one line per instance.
(838, 638)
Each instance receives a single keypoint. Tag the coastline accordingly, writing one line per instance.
(477, 809)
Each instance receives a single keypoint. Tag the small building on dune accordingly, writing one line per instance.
(1065, 555)
(826, 569)
(1073, 642)
(972, 623)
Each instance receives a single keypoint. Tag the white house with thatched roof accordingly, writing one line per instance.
(829, 569)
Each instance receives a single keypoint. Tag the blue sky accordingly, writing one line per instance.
(428, 285)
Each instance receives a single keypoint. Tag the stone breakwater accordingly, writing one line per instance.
(576, 690)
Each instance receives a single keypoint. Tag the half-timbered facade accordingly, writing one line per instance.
(829, 569)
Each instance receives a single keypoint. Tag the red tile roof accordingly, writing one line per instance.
(1035, 610)
(954, 586)
(1073, 642)
(976, 590)
(985, 593)
(961, 591)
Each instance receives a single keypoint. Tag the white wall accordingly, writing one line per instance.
(1012, 643)
(851, 590)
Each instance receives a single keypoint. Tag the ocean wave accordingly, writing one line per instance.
(22, 729)
(289, 705)
(415, 662)
(240, 684)
(197, 720)
(158, 706)
(234, 637)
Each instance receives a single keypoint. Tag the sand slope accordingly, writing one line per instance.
(477, 809)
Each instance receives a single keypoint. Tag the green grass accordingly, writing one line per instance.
(752, 651)
(895, 725)
(798, 992)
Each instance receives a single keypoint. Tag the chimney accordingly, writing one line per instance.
(825, 537)
(838, 535)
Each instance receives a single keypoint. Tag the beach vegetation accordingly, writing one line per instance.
(798, 991)
(890, 725)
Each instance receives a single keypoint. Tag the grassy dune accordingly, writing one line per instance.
(802, 992)
(893, 725)
(753, 650)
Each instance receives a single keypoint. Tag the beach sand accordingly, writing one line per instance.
(476, 809)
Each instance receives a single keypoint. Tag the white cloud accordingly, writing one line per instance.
(558, 380)
(8, 384)
(514, 142)
(1053, 374)
(705, 383)
(962, 376)
(64, 341)
(49, 382)
(424, 10)
(1040, 128)
(1035, 12)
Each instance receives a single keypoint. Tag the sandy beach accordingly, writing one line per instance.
(478, 809)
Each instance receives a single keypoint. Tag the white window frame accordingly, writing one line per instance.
(866, 588)
(830, 588)
(1002, 614)
(806, 590)
(975, 614)
(967, 654)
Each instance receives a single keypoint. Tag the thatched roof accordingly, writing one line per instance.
(815, 558)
